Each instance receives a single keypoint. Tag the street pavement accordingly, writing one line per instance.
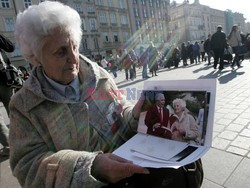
(227, 163)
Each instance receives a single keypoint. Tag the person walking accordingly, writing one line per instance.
(5, 92)
(208, 49)
(184, 54)
(218, 44)
(234, 40)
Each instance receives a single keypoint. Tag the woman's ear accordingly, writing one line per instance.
(34, 60)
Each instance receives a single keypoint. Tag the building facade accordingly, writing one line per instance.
(149, 22)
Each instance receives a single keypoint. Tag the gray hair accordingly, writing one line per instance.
(36, 23)
(181, 102)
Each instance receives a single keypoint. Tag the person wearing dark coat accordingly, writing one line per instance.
(157, 117)
(184, 54)
(218, 44)
(5, 92)
(208, 49)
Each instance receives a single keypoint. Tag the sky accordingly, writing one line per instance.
(241, 6)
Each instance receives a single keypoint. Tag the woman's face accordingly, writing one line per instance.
(178, 108)
(60, 57)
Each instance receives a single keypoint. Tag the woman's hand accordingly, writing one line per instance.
(138, 106)
(112, 168)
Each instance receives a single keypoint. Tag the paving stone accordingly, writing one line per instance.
(237, 151)
(245, 132)
(229, 135)
(241, 121)
(218, 128)
(224, 121)
(219, 115)
(216, 168)
(209, 184)
(7, 180)
(231, 116)
(224, 110)
(241, 142)
(220, 143)
(241, 176)
(245, 116)
(238, 111)
(235, 127)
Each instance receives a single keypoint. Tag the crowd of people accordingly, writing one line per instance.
(217, 47)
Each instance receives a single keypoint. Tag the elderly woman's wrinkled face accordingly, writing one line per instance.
(178, 108)
(60, 57)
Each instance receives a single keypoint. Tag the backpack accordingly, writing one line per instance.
(10, 76)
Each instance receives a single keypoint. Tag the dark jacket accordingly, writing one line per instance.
(218, 40)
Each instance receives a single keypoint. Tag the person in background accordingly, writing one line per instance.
(234, 40)
(184, 54)
(202, 51)
(61, 131)
(104, 63)
(196, 52)
(5, 91)
(218, 44)
(127, 65)
(143, 61)
(208, 49)
(135, 61)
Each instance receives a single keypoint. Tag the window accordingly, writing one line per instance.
(92, 23)
(146, 25)
(96, 43)
(158, 3)
(106, 37)
(90, 9)
(110, 3)
(136, 12)
(83, 24)
(124, 20)
(135, 1)
(85, 43)
(152, 14)
(5, 3)
(125, 36)
(143, 2)
(159, 15)
(115, 37)
(145, 13)
(138, 24)
(27, 3)
(9, 24)
(102, 17)
(121, 4)
(100, 2)
(150, 3)
(77, 7)
(112, 18)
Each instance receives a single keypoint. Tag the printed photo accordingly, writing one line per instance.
(175, 115)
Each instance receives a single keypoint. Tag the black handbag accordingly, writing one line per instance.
(188, 176)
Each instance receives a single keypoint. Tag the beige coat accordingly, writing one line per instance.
(49, 134)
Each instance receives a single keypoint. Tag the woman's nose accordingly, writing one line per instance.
(71, 55)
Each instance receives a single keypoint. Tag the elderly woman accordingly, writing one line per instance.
(69, 114)
(184, 127)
